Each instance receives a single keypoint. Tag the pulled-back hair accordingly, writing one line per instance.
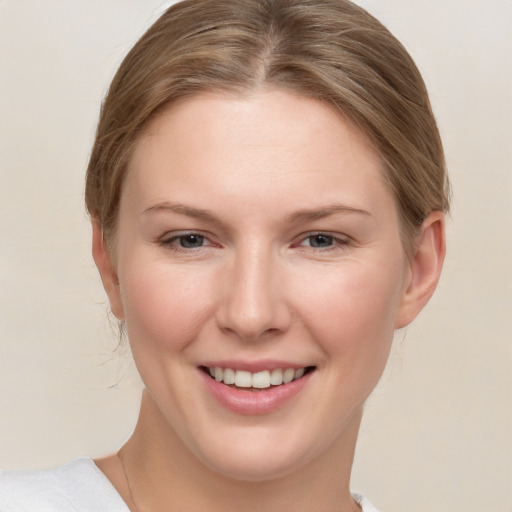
(331, 50)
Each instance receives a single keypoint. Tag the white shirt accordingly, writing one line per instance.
(79, 486)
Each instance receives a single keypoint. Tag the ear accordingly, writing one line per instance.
(425, 266)
(104, 261)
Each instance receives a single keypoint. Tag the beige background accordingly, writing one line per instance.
(437, 432)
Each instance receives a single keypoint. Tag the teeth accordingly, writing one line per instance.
(242, 379)
(276, 377)
(229, 376)
(288, 375)
(258, 380)
(261, 380)
(299, 373)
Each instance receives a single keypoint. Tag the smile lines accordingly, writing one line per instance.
(258, 380)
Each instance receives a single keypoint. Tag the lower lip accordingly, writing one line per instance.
(254, 402)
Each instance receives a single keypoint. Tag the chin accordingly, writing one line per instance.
(262, 454)
(254, 467)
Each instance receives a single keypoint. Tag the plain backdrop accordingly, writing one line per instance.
(437, 432)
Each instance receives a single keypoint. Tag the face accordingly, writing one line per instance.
(257, 242)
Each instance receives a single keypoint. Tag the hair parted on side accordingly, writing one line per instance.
(331, 50)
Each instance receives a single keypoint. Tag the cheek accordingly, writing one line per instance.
(351, 311)
(164, 308)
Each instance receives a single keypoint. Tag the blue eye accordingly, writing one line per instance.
(320, 241)
(323, 242)
(190, 241)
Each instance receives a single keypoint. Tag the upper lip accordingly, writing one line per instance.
(253, 366)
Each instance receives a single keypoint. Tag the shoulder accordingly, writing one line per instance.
(364, 503)
(76, 487)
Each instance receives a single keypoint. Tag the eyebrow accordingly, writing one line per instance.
(321, 213)
(294, 218)
(188, 211)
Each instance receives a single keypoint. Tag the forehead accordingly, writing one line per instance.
(264, 146)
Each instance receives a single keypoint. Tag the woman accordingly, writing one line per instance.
(267, 194)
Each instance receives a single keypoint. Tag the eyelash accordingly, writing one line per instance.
(337, 242)
(175, 241)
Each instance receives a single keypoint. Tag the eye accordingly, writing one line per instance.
(320, 240)
(190, 241)
(185, 241)
(323, 241)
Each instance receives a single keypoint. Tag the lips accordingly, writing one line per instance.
(258, 380)
(260, 391)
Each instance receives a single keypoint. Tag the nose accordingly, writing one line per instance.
(253, 300)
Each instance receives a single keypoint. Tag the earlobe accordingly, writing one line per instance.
(103, 259)
(425, 268)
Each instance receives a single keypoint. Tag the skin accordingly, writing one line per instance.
(271, 171)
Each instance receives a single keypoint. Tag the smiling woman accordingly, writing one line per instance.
(255, 284)
(267, 193)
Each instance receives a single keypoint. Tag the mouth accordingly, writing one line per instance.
(257, 381)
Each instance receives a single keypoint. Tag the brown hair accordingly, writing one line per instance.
(331, 50)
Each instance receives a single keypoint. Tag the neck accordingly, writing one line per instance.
(161, 471)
